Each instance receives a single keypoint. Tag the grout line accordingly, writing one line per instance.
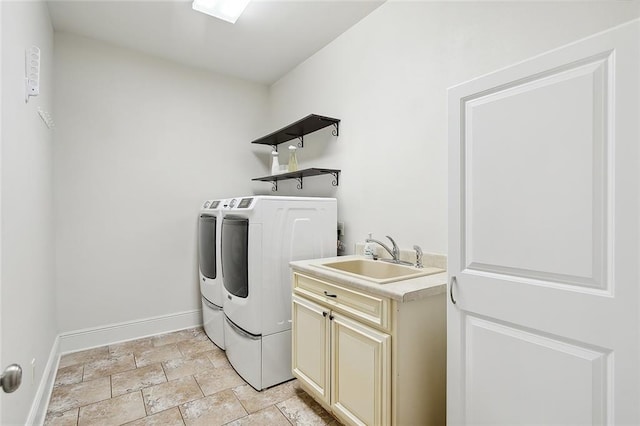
(184, 422)
(242, 405)
(164, 372)
(236, 395)
(135, 360)
(199, 387)
(283, 414)
(143, 404)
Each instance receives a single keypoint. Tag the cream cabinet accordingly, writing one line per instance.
(345, 364)
(311, 348)
(369, 359)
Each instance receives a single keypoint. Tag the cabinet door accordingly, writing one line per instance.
(310, 357)
(360, 381)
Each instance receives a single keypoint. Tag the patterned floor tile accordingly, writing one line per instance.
(159, 354)
(170, 417)
(186, 366)
(67, 397)
(218, 379)
(171, 394)
(69, 375)
(213, 410)
(114, 411)
(109, 366)
(192, 347)
(267, 416)
(191, 334)
(218, 358)
(68, 418)
(84, 357)
(302, 409)
(126, 383)
(130, 347)
(140, 378)
(253, 400)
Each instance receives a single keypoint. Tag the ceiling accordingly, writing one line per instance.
(270, 38)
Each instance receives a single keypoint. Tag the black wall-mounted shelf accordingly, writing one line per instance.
(298, 175)
(297, 130)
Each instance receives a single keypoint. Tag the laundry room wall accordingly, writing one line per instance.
(140, 144)
(27, 235)
(386, 78)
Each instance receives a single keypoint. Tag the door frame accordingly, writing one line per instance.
(1, 145)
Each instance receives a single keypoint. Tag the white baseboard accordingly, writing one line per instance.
(100, 336)
(41, 399)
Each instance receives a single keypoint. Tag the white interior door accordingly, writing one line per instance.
(544, 234)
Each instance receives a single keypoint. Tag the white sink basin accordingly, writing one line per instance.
(378, 271)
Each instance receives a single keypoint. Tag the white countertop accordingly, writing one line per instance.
(402, 291)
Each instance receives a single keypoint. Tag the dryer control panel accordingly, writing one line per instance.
(245, 203)
(240, 203)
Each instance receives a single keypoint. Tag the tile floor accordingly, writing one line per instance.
(171, 379)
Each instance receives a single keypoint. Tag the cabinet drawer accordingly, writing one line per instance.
(374, 310)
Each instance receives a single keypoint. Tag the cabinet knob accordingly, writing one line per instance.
(324, 314)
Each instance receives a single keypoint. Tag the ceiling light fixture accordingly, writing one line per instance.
(227, 10)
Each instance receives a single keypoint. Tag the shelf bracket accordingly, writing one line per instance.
(274, 186)
(336, 178)
(299, 179)
(300, 138)
(336, 130)
(275, 147)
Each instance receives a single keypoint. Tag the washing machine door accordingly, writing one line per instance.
(234, 248)
(207, 245)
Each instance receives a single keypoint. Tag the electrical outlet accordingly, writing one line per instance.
(341, 229)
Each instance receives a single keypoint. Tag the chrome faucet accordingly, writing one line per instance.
(418, 250)
(393, 252)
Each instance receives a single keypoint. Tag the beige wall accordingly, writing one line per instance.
(387, 79)
(140, 144)
(27, 235)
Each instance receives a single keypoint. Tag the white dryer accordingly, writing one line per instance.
(209, 265)
(260, 236)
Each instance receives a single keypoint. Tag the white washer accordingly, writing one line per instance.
(210, 267)
(260, 235)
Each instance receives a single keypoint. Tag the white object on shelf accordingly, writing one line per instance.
(32, 72)
(293, 160)
(275, 164)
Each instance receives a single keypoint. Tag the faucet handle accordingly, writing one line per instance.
(418, 256)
